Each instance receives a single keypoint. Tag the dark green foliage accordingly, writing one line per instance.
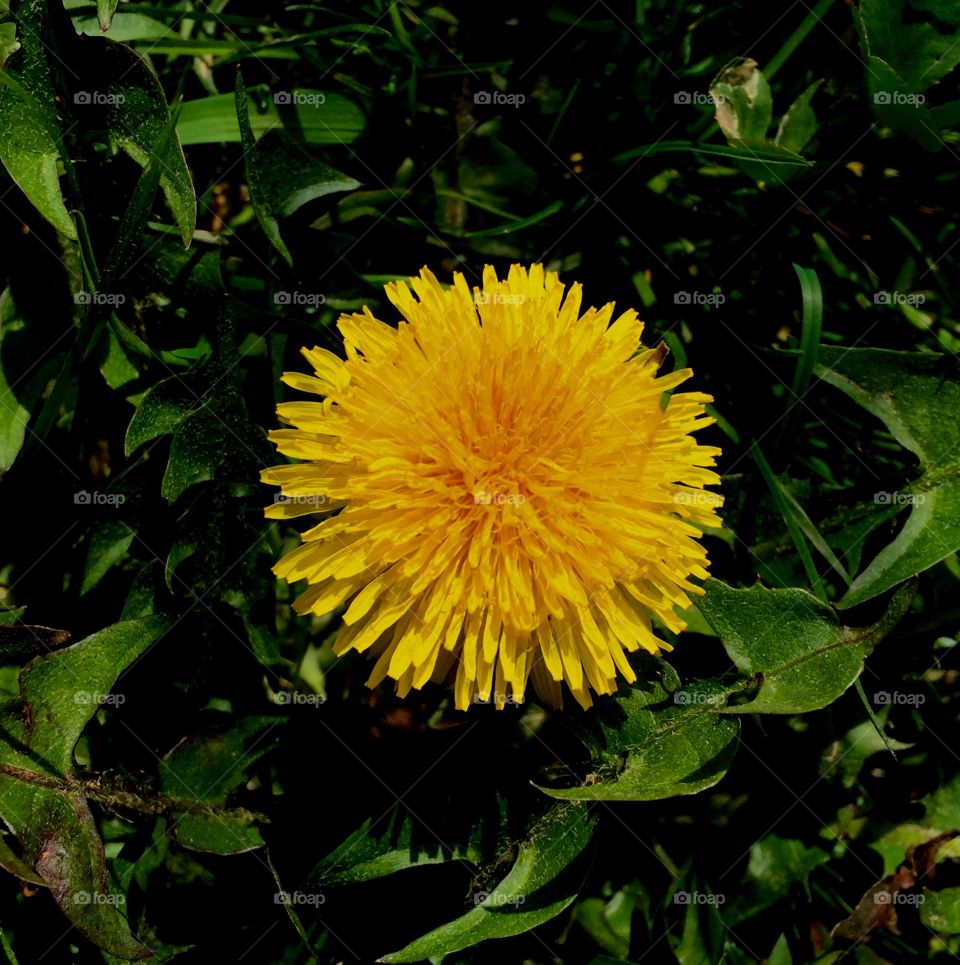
(189, 194)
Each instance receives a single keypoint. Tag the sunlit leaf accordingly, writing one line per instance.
(917, 396)
(540, 885)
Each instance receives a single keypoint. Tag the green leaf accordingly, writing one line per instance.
(743, 104)
(701, 941)
(116, 367)
(384, 847)
(798, 125)
(124, 28)
(771, 158)
(24, 374)
(200, 774)
(893, 845)
(918, 51)
(260, 201)
(804, 656)
(940, 911)
(744, 112)
(776, 865)
(213, 832)
(658, 741)
(781, 953)
(849, 752)
(943, 806)
(215, 435)
(41, 800)
(898, 106)
(109, 543)
(31, 145)
(52, 685)
(917, 396)
(609, 923)
(9, 44)
(213, 120)
(126, 98)
(904, 59)
(281, 174)
(542, 883)
(161, 410)
(13, 863)
(105, 11)
(30, 152)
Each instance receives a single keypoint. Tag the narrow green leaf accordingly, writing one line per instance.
(517, 224)
(771, 156)
(539, 886)
(261, 203)
(786, 511)
(213, 120)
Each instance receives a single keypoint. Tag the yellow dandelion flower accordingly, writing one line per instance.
(508, 493)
